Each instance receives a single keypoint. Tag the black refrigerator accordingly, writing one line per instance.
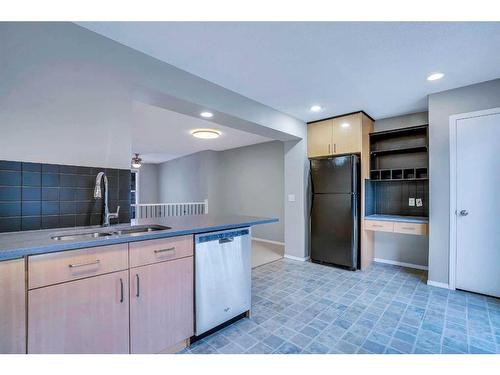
(335, 211)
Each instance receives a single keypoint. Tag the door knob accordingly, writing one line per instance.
(463, 213)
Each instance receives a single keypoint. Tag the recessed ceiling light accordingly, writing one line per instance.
(345, 125)
(206, 114)
(205, 133)
(316, 108)
(435, 76)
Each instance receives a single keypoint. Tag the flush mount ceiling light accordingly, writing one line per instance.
(206, 114)
(316, 108)
(345, 125)
(205, 133)
(435, 76)
(136, 161)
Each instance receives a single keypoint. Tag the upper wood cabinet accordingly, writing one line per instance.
(337, 136)
(12, 307)
(320, 138)
(347, 134)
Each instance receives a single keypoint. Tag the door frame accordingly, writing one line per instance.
(452, 275)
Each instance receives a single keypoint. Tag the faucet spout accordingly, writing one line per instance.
(98, 194)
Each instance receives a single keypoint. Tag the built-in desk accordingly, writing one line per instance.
(416, 225)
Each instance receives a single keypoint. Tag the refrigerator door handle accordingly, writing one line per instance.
(312, 189)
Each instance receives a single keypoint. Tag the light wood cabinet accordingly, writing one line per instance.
(12, 307)
(320, 138)
(161, 305)
(347, 134)
(154, 251)
(396, 227)
(54, 268)
(411, 228)
(379, 226)
(337, 136)
(84, 316)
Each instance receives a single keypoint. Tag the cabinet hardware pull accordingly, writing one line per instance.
(137, 285)
(408, 228)
(121, 290)
(165, 250)
(328, 147)
(334, 148)
(97, 261)
(377, 225)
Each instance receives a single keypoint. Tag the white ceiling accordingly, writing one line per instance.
(160, 135)
(379, 67)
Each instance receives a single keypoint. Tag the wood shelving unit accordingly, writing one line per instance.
(398, 172)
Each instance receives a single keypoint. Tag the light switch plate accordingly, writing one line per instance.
(291, 197)
(419, 202)
(411, 202)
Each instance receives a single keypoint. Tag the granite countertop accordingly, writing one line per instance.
(406, 219)
(18, 244)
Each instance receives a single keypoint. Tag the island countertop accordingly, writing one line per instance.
(18, 244)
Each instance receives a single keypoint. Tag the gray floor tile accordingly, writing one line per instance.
(310, 308)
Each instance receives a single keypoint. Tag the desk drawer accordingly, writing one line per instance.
(153, 251)
(410, 228)
(54, 268)
(379, 225)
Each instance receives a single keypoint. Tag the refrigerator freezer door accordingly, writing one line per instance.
(332, 175)
(334, 229)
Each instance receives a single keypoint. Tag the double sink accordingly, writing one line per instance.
(107, 232)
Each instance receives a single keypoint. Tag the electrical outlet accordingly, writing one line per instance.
(411, 202)
(419, 202)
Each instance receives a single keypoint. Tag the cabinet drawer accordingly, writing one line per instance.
(153, 251)
(410, 228)
(379, 225)
(69, 265)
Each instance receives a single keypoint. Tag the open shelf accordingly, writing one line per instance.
(399, 174)
(399, 150)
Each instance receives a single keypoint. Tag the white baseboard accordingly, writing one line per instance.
(268, 241)
(300, 259)
(402, 264)
(438, 284)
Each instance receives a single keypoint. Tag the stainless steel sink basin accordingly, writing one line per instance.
(110, 232)
(141, 229)
(81, 236)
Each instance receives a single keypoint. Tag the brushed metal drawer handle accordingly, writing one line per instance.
(137, 286)
(121, 291)
(408, 228)
(97, 261)
(165, 250)
(377, 225)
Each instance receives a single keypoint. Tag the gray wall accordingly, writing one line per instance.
(253, 184)
(148, 183)
(393, 246)
(242, 181)
(442, 105)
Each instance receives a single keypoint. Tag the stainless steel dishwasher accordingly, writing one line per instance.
(222, 277)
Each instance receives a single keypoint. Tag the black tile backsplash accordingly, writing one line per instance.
(391, 197)
(44, 196)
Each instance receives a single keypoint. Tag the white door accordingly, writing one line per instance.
(478, 204)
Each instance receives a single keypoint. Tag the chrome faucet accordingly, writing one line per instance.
(98, 194)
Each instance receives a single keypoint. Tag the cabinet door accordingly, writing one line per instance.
(85, 316)
(319, 138)
(161, 305)
(347, 134)
(12, 307)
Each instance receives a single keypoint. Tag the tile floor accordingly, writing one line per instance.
(301, 307)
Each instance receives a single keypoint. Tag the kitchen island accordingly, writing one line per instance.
(116, 289)
(19, 244)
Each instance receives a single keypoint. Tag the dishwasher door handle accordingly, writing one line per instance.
(226, 240)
